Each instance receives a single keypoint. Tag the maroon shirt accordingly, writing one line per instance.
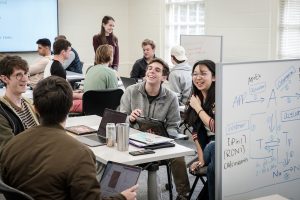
(97, 42)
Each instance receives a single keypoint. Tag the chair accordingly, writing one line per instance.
(11, 193)
(95, 101)
(200, 173)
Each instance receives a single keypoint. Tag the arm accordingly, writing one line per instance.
(116, 55)
(135, 72)
(69, 60)
(195, 103)
(174, 84)
(6, 132)
(39, 66)
(173, 117)
(96, 42)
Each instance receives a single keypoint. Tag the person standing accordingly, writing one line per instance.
(139, 68)
(106, 36)
(180, 80)
(201, 115)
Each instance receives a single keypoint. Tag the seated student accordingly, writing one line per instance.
(139, 68)
(98, 77)
(73, 63)
(16, 112)
(61, 50)
(57, 166)
(151, 99)
(180, 80)
(201, 114)
(36, 70)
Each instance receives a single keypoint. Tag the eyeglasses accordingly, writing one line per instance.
(19, 76)
(201, 75)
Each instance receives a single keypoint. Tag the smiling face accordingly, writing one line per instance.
(109, 26)
(17, 82)
(154, 74)
(203, 78)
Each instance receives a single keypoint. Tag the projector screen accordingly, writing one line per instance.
(23, 22)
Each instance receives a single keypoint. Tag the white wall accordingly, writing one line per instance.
(249, 27)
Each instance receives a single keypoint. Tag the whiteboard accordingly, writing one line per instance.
(200, 47)
(258, 129)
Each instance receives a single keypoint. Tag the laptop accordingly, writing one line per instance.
(156, 126)
(137, 137)
(98, 139)
(118, 177)
(128, 81)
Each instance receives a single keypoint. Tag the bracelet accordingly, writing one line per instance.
(200, 111)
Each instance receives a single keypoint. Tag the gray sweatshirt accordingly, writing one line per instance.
(165, 107)
(180, 81)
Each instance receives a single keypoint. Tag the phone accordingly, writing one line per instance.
(141, 152)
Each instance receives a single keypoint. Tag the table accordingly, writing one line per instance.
(73, 76)
(104, 153)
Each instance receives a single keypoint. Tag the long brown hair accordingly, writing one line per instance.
(105, 21)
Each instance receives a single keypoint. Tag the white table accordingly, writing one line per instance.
(73, 76)
(104, 153)
(271, 197)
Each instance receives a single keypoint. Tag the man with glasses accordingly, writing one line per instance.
(36, 70)
(16, 112)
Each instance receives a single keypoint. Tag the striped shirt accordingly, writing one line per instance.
(25, 115)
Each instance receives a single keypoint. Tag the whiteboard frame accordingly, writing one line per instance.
(219, 135)
(221, 47)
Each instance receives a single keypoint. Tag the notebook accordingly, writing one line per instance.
(80, 129)
(109, 116)
(148, 138)
(127, 81)
(118, 177)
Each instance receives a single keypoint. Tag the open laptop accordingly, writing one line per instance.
(127, 81)
(118, 177)
(98, 139)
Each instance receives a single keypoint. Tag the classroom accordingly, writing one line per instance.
(255, 49)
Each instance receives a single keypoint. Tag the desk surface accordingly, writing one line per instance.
(104, 153)
(73, 76)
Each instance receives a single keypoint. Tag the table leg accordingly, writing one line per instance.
(154, 190)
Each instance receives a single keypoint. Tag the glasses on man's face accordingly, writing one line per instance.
(19, 76)
(201, 75)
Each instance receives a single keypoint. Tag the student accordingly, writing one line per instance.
(61, 49)
(201, 114)
(16, 112)
(151, 99)
(106, 36)
(98, 77)
(180, 80)
(73, 63)
(36, 70)
(139, 68)
(57, 165)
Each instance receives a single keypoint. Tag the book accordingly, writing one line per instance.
(80, 129)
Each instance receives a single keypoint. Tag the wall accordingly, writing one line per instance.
(249, 27)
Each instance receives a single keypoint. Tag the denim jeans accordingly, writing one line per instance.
(209, 159)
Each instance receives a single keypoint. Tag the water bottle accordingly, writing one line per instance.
(123, 136)
(110, 134)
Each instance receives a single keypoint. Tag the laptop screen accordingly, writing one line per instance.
(110, 116)
(118, 177)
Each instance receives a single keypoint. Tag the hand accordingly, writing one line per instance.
(134, 114)
(195, 103)
(197, 164)
(130, 193)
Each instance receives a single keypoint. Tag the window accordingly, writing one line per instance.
(182, 17)
(289, 29)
